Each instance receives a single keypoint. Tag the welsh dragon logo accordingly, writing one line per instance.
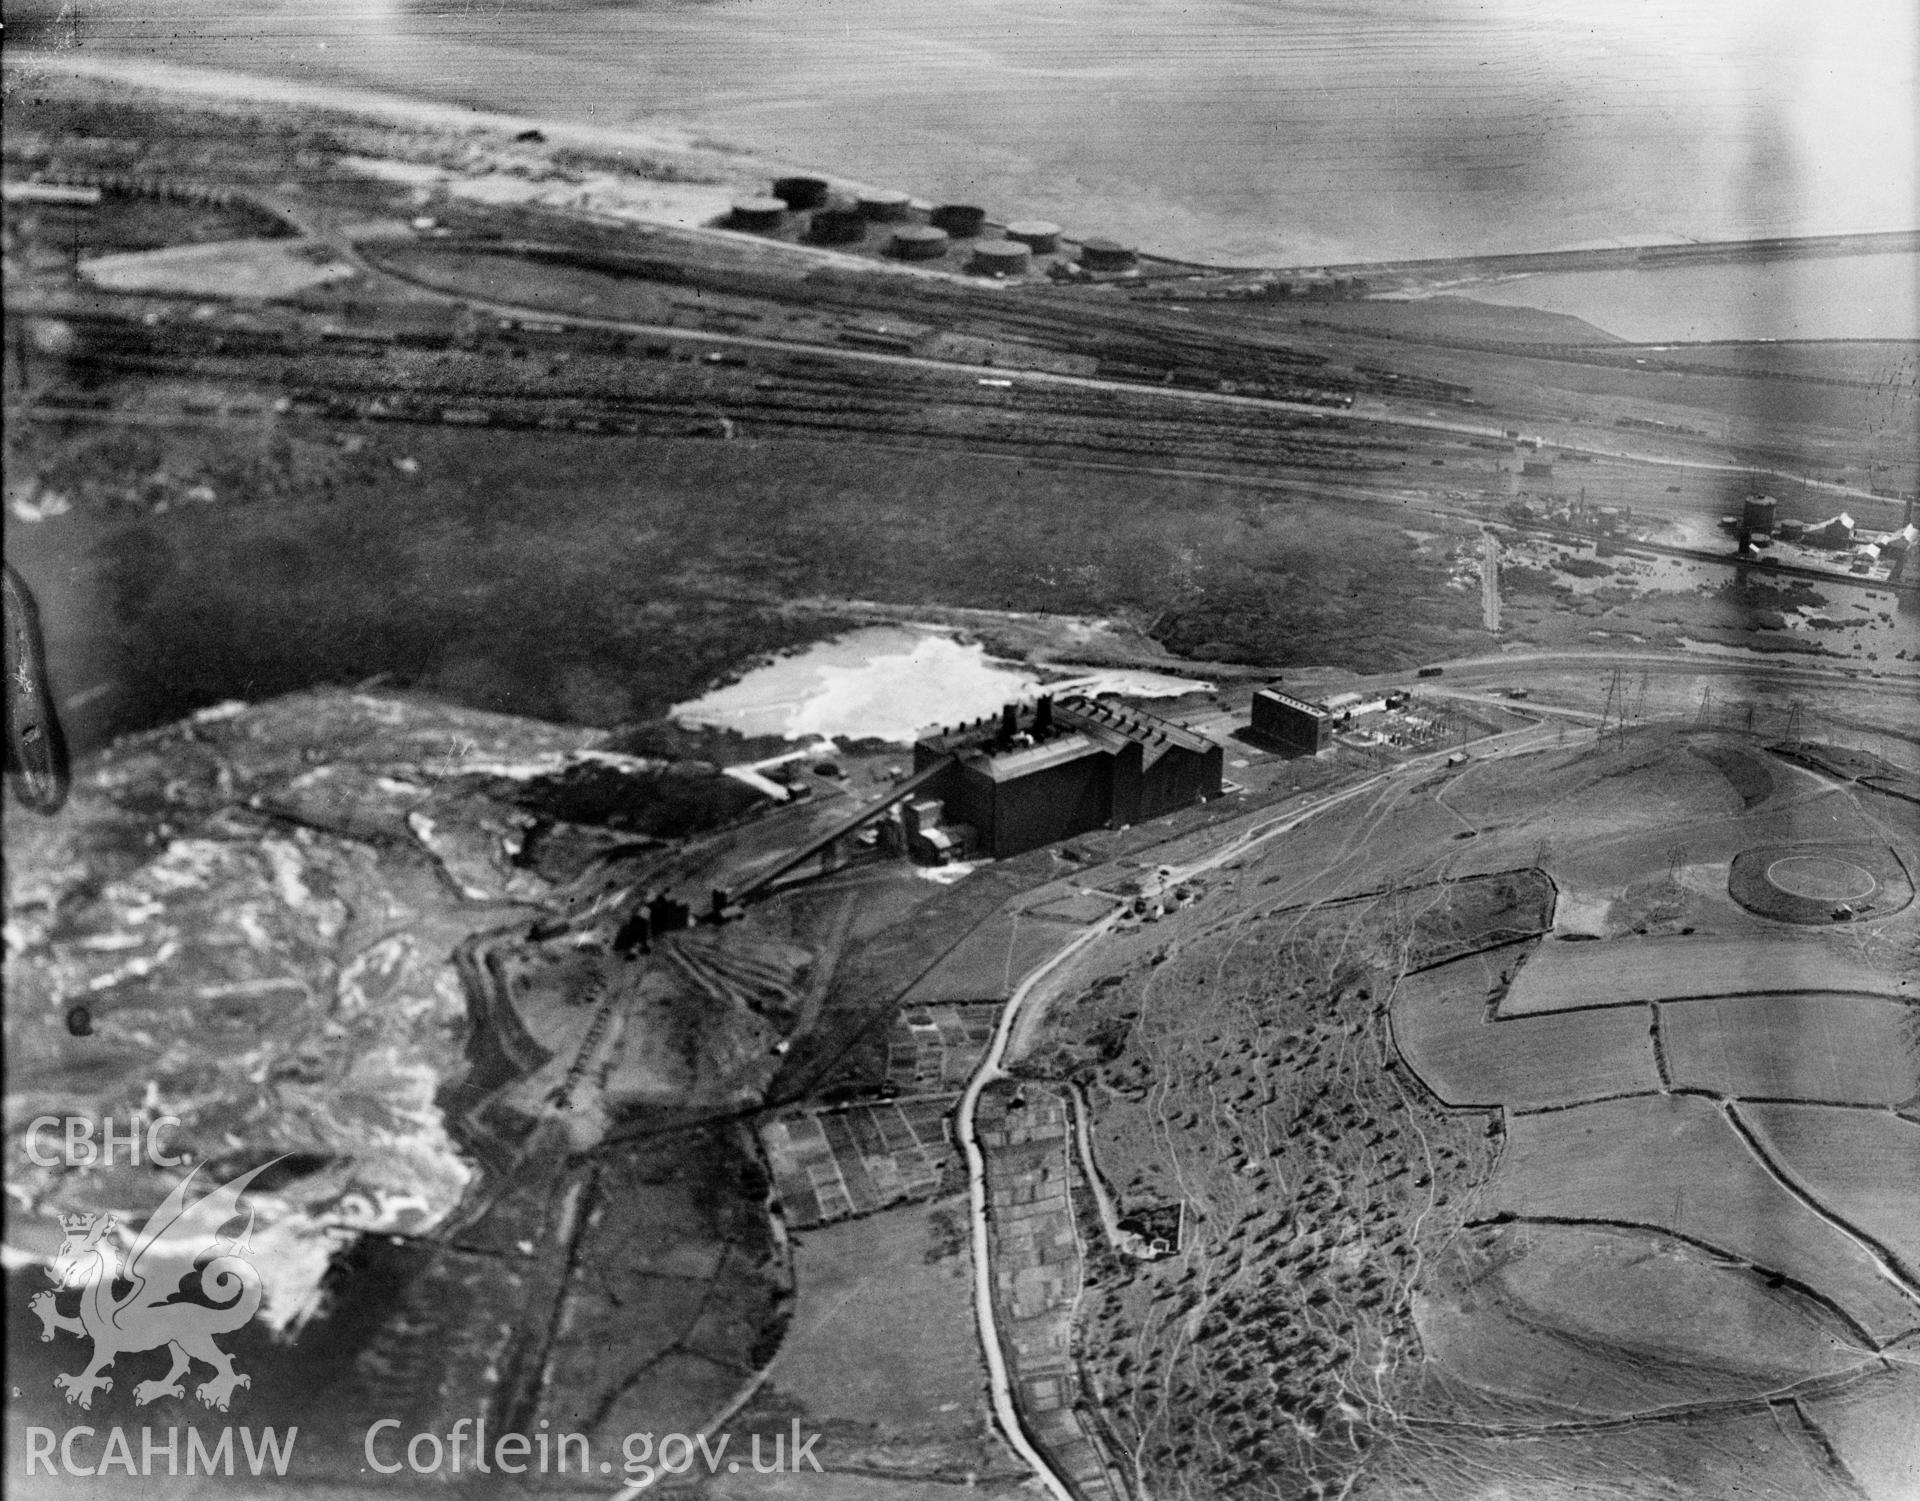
(153, 1311)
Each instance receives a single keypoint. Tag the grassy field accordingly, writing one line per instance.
(1871, 1427)
(1864, 1165)
(1561, 976)
(1600, 1321)
(882, 1349)
(1441, 1028)
(1742, 1453)
(1834, 1048)
(991, 961)
(1672, 1163)
(681, 1293)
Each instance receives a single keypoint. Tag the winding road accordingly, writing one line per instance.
(1028, 1001)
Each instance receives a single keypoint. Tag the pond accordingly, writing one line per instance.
(885, 683)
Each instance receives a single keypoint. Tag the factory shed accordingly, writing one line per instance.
(1158, 765)
(1291, 722)
(1034, 776)
(1835, 531)
(1023, 799)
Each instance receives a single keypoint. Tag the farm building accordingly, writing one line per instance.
(1036, 775)
(1292, 722)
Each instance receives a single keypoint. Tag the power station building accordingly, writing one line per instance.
(1292, 722)
(1035, 775)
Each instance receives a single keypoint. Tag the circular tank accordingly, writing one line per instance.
(838, 226)
(759, 213)
(919, 242)
(1001, 258)
(1039, 236)
(1758, 514)
(801, 192)
(1106, 255)
(884, 206)
(961, 220)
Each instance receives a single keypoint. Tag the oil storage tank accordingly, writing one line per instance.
(919, 242)
(837, 226)
(1001, 258)
(1038, 235)
(961, 220)
(1107, 255)
(801, 192)
(884, 206)
(1757, 515)
(758, 214)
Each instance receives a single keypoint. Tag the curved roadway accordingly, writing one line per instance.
(1033, 988)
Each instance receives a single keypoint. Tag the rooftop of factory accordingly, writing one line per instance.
(1318, 711)
(1073, 726)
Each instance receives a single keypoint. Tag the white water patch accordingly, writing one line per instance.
(1127, 682)
(880, 684)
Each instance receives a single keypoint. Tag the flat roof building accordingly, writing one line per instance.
(1033, 776)
(1299, 726)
